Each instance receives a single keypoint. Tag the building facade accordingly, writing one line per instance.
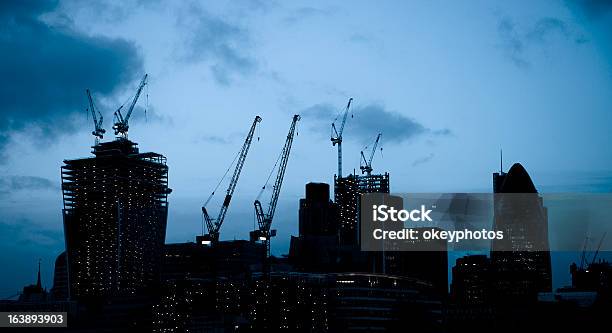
(115, 213)
(521, 260)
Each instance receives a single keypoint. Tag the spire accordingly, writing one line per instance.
(38, 284)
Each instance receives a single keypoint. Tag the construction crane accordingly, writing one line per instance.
(214, 226)
(583, 256)
(98, 131)
(598, 248)
(121, 123)
(264, 220)
(366, 167)
(336, 136)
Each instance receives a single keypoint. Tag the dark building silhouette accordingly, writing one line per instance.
(471, 280)
(59, 292)
(317, 216)
(521, 260)
(236, 258)
(427, 262)
(35, 298)
(470, 308)
(316, 247)
(596, 276)
(115, 212)
(302, 302)
(34, 292)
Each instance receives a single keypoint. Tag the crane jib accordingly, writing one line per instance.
(213, 229)
(227, 200)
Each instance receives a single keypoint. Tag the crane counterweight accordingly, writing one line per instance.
(98, 131)
(121, 125)
(366, 165)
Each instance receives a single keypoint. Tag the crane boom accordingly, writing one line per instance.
(264, 220)
(98, 131)
(598, 248)
(336, 136)
(121, 123)
(214, 226)
(367, 164)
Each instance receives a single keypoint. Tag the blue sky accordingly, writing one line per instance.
(448, 83)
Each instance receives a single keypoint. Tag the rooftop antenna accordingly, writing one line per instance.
(501, 161)
(38, 282)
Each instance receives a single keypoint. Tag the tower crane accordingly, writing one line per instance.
(98, 131)
(366, 166)
(121, 123)
(336, 135)
(264, 220)
(214, 226)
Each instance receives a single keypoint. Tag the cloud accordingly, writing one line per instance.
(149, 115)
(367, 121)
(227, 139)
(9, 184)
(423, 160)
(215, 139)
(46, 69)
(517, 42)
(595, 8)
(303, 13)
(546, 27)
(598, 14)
(511, 42)
(24, 232)
(217, 42)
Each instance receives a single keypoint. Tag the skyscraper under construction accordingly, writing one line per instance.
(115, 213)
(347, 191)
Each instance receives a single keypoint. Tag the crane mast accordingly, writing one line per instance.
(98, 131)
(214, 226)
(121, 123)
(336, 136)
(264, 220)
(366, 167)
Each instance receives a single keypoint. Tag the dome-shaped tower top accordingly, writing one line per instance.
(517, 180)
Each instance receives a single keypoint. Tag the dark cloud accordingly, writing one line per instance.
(423, 160)
(595, 8)
(26, 232)
(367, 121)
(215, 139)
(231, 138)
(23, 242)
(511, 42)
(599, 15)
(516, 42)
(546, 27)
(217, 42)
(47, 68)
(9, 184)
